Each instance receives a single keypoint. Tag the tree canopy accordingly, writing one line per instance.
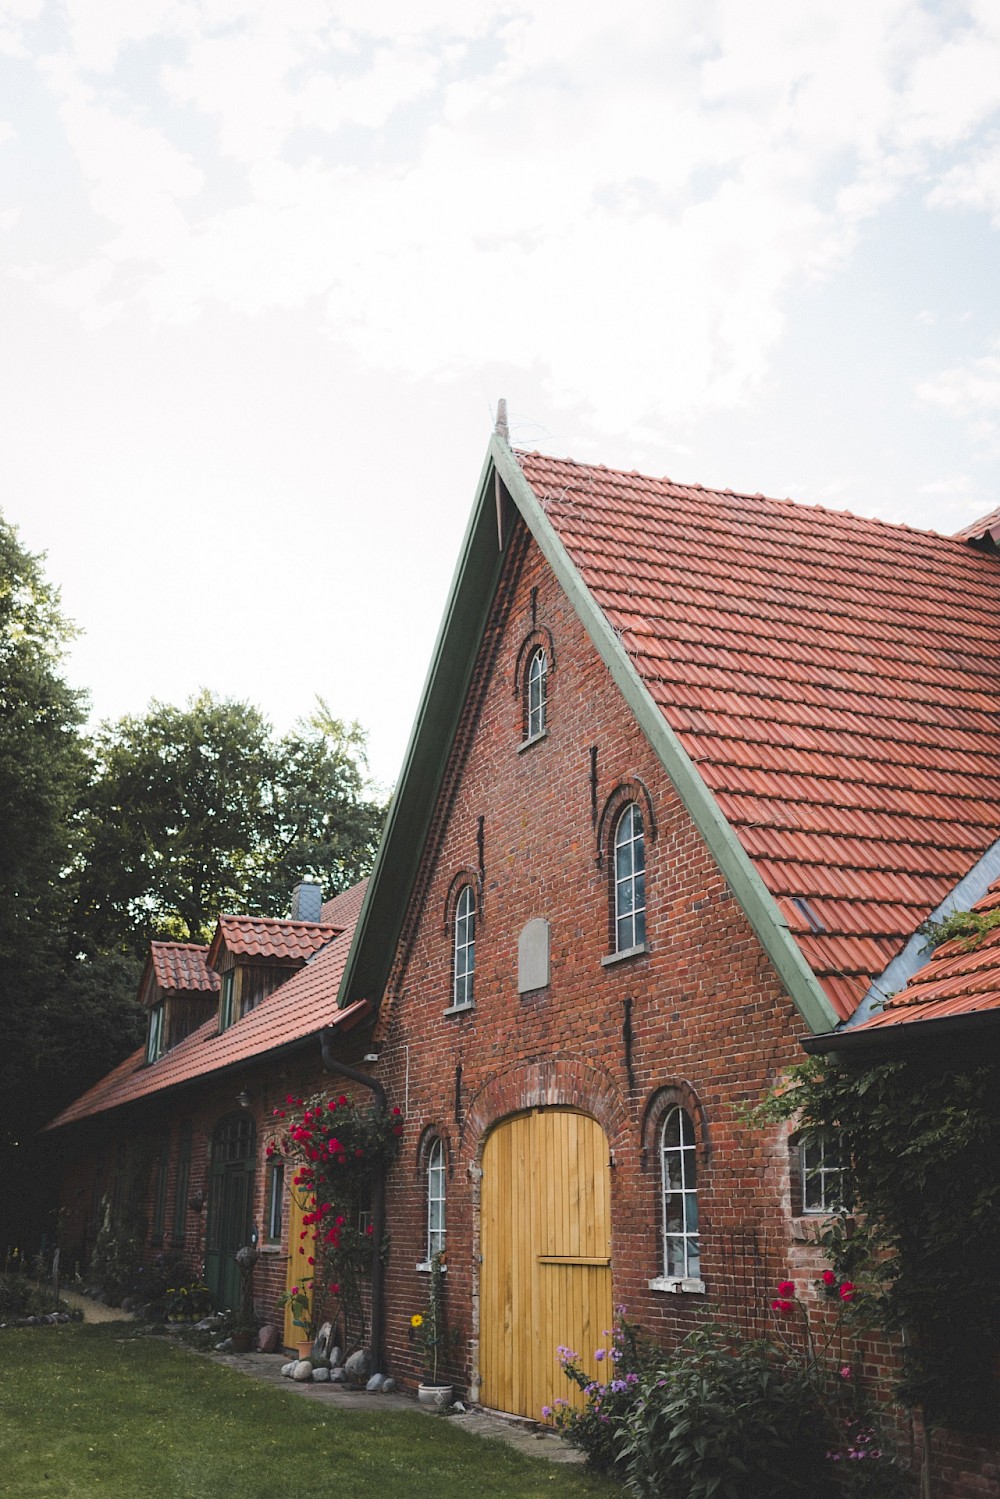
(198, 810)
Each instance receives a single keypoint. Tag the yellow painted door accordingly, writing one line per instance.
(299, 1269)
(546, 1245)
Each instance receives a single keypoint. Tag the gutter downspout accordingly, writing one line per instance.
(331, 1064)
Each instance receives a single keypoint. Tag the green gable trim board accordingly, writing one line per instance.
(473, 587)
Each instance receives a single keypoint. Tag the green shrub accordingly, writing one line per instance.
(729, 1419)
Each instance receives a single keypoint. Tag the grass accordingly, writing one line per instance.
(88, 1411)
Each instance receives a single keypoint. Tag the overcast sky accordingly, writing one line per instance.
(268, 267)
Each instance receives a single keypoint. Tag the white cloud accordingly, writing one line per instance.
(626, 198)
(971, 394)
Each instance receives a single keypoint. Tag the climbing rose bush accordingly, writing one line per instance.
(337, 1148)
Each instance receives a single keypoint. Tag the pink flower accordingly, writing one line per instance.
(845, 1372)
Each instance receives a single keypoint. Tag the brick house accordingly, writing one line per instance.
(690, 769)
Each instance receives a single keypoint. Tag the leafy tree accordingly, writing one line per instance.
(198, 810)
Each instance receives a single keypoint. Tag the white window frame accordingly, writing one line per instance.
(537, 694)
(227, 1000)
(819, 1162)
(436, 1194)
(629, 869)
(464, 951)
(275, 1202)
(154, 1033)
(679, 1177)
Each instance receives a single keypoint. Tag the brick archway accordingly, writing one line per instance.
(556, 1082)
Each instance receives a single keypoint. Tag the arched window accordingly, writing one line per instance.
(821, 1174)
(630, 880)
(679, 1180)
(537, 694)
(435, 1200)
(465, 947)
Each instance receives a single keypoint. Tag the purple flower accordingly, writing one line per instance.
(600, 1354)
(546, 1411)
(619, 1386)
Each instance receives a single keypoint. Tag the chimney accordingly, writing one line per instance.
(307, 900)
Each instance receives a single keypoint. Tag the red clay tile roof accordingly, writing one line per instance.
(298, 1009)
(270, 937)
(181, 966)
(344, 909)
(836, 680)
(977, 530)
(962, 978)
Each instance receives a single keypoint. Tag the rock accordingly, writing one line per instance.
(226, 1346)
(321, 1375)
(375, 1384)
(356, 1367)
(205, 1325)
(336, 1357)
(459, 1408)
(286, 1369)
(128, 1304)
(303, 1371)
(388, 1385)
(269, 1338)
(321, 1343)
(337, 1376)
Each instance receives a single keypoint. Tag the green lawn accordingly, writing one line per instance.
(89, 1411)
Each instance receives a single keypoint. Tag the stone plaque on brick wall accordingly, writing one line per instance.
(533, 956)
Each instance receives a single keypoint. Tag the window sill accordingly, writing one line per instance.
(460, 1009)
(535, 739)
(678, 1285)
(270, 1248)
(425, 1268)
(620, 957)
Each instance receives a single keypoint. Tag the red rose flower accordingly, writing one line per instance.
(847, 1290)
(786, 1288)
(829, 1279)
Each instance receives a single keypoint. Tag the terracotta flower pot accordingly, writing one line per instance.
(304, 1347)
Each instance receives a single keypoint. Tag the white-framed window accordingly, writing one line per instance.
(435, 1200)
(538, 677)
(630, 879)
(465, 948)
(679, 1190)
(275, 1202)
(154, 1034)
(227, 992)
(821, 1175)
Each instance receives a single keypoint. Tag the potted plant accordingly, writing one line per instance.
(430, 1331)
(244, 1334)
(299, 1300)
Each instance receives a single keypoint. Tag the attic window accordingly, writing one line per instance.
(154, 1034)
(806, 911)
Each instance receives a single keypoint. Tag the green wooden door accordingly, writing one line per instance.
(230, 1203)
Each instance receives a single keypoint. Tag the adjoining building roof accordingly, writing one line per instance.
(181, 967)
(823, 690)
(986, 529)
(962, 978)
(295, 1011)
(343, 910)
(270, 937)
(835, 680)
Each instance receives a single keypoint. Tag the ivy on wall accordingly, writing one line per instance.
(919, 1228)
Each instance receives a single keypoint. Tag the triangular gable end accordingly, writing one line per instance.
(466, 613)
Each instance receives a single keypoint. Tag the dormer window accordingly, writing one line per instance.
(154, 1033)
(227, 1000)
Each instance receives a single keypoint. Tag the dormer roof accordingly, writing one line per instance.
(181, 967)
(270, 938)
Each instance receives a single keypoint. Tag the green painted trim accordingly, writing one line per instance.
(473, 587)
(407, 825)
(753, 895)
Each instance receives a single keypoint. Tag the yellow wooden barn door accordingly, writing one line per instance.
(299, 1269)
(546, 1246)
